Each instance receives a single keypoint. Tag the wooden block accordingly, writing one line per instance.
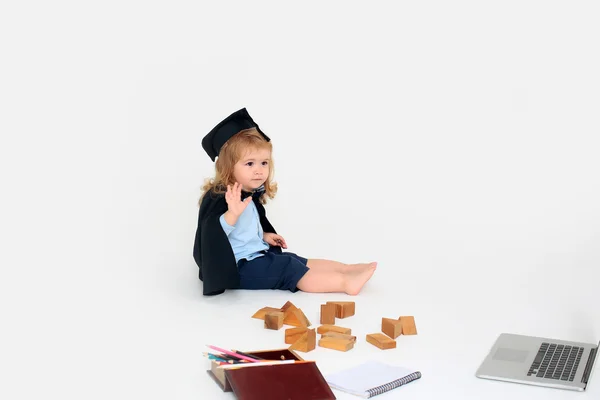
(293, 334)
(274, 320)
(343, 309)
(295, 317)
(339, 335)
(307, 341)
(391, 327)
(408, 325)
(329, 328)
(303, 317)
(260, 314)
(336, 343)
(288, 307)
(382, 341)
(328, 314)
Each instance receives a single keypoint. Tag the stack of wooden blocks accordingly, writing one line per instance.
(301, 338)
(392, 328)
(333, 336)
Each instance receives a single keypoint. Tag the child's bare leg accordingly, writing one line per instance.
(335, 266)
(326, 276)
(315, 281)
(362, 266)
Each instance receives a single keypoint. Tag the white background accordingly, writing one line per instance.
(453, 142)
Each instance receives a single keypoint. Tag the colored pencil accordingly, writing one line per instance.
(248, 355)
(233, 358)
(260, 364)
(230, 353)
(215, 357)
(226, 357)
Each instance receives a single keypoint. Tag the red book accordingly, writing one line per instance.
(300, 380)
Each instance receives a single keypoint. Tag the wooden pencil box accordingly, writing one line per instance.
(218, 374)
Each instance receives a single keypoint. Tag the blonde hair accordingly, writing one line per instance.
(231, 152)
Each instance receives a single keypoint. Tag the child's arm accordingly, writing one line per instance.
(230, 218)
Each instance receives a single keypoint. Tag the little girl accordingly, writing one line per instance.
(236, 247)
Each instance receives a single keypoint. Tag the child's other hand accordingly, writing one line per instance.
(233, 197)
(274, 239)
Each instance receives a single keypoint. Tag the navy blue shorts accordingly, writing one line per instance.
(272, 271)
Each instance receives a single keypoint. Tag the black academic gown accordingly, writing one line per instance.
(212, 252)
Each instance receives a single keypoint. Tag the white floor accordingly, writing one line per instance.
(143, 337)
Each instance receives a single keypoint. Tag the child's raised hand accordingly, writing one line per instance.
(233, 197)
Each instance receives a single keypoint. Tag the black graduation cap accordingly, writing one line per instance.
(216, 138)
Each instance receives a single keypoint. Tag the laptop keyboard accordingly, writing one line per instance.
(556, 361)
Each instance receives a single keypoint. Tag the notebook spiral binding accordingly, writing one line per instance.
(393, 384)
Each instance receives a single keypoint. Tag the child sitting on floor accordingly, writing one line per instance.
(236, 247)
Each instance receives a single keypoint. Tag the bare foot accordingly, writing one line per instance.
(359, 268)
(355, 281)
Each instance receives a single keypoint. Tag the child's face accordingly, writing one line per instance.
(252, 170)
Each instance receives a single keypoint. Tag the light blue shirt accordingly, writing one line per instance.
(246, 237)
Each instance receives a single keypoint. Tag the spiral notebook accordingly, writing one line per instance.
(371, 378)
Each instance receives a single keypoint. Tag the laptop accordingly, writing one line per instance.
(539, 361)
